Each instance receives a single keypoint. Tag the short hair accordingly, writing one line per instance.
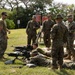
(34, 16)
(4, 13)
(35, 44)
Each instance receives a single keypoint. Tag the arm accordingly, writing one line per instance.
(8, 30)
(41, 51)
(36, 26)
(4, 33)
(1, 26)
(72, 29)
(27, 28)
(52, 24)
(65, 38)
(53, 32)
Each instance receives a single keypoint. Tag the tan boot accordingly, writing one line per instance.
(60, 68)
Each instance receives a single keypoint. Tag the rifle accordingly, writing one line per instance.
(23, 52)
(38, 35)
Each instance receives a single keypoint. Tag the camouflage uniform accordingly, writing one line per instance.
(3, 38)
(31, 28)
(71, 30)
(39, 59)
(59, 37)
(40, 50)
(47, 25)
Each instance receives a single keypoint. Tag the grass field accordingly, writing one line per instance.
(18, 38)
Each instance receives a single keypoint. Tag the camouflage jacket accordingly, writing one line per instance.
(71, 28)
(3, 32)
(59, 34)
(32, 26)
(47, 25)
(39, 60)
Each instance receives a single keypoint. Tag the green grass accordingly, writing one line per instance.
(18, 38)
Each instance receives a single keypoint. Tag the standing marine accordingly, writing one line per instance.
(31, 30)
(47, 25)
(59, 37)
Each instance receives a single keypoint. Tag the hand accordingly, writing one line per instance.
(9, 32)
(7, 37)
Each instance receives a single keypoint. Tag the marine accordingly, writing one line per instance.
(59, 37)
(31, 30)
(47, 25)
(3, 35)
(70, 24)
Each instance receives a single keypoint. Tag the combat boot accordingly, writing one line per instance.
(60, 68)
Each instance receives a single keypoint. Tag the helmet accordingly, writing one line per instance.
(69, 16)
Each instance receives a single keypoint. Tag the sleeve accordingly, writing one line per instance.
(1, 25)
(52, 24)
(72, 29)
(40, 51)
(3, 28)
(37, 26)
(27, 28)
(53, 32)
(65, 38)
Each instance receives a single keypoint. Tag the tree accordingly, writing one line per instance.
(25, 2)
(36, 5)
(2, 3)
(59, 8)
(11, 4)
(24, 13)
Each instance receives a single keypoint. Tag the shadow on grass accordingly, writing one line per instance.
(62, 72)
(3, 60)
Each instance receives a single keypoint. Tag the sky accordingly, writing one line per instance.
(65, 1)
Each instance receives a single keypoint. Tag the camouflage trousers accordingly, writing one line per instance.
(57, 56)
(70, 48)
(3, 47)
(31, 38)
(47, 40)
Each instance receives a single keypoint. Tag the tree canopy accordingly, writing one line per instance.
(24, 9)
